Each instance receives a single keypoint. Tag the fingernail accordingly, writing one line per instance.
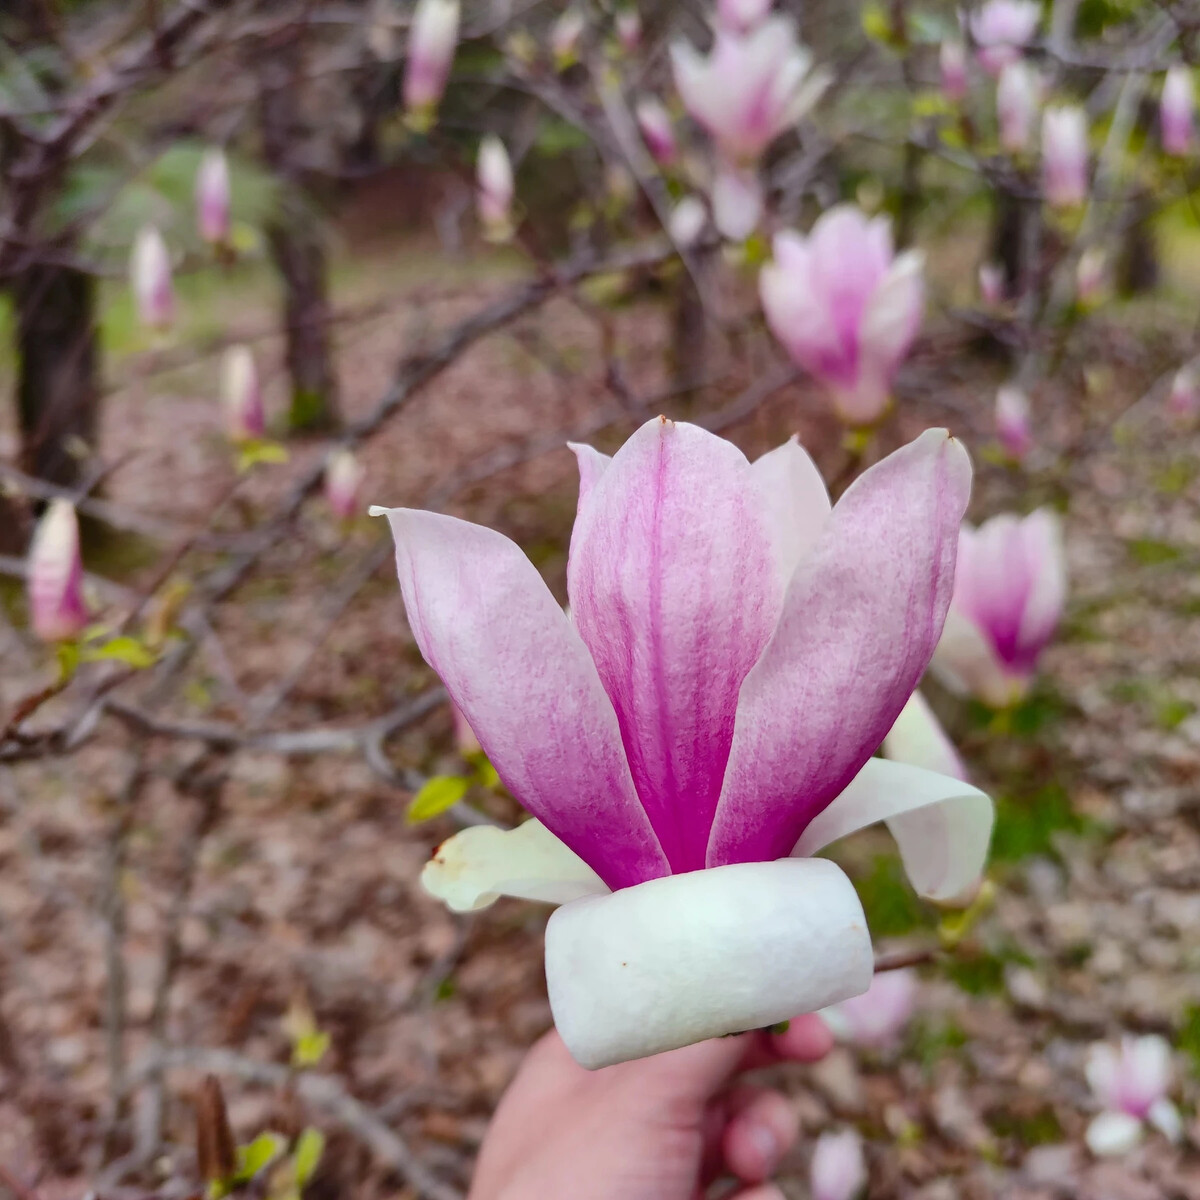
(765, 1144)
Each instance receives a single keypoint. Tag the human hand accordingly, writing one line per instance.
(661, 1128)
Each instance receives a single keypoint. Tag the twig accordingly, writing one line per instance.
(899, 959)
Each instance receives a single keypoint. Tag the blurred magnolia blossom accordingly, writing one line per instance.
(845, 307)
(657, 131)
(1091, 277)
(880, 1014)
(54, 576)
(212, 197)
(1017, 98)
(565, 37)
(1131, 1083)
(740, 16)
(494, 189)
(1002, 29)
(1009, 592)
(952, 59)
(1176, 114)
(1014, 429)
(745, 92)
(687, 221)
(1183, 400)
(700, 725)
(1065, 156)
(150, 279)
(839, 1169)
(432, 39)
(628, 23)
(241, 396)
(343, 477)
(991, 283)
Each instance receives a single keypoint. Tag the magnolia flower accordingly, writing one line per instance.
(432, 38)
(343, 477)
(150, 279)
(740, 16)
(212, 197)
(917, 738)
(991, 283)
(1002, 29)
(737, 201)
(657, 130)
(565, 37)
(1183, 400)
(241, 396)
(1017, 96)
(845, 307)
(629, 28)
(952, 58)
(494, 192)
(1090, 277)
(879, 1015)
(1176, 112)
(1009, 592)
(1013, 427)
(839, 1170)
(1131, 1084)
(749, 88)
(57, 611)
(1065, 156)
(700, 725)
(687, 221)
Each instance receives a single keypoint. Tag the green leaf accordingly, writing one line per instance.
(250, 454)
(485, 774)
(69, 658)
(309, 1148)
(122, 649)
(436, 795)
(310, 1048)
(258, 1155)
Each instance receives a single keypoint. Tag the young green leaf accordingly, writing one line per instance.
(310, 1145)
(436, 796)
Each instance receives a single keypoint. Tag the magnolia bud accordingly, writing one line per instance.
(1177, 110)
(657, 130)
(1090, 277)
(839, 1171)
(432, 39)
(953, 61)
(687, 221)
(1013, 428)
(1183, 400)
(991, 283)
(245, 420)
(565, 38)
(1065, 156)
(343, 478)
(150, 278)
(212, 197)
(1016, 106)
(629, 29)
(57, 612)
(737, 201)
(494, 192)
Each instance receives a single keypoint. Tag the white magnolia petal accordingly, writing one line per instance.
(966, 663)
(917, 738)
(475, 867)
(1164, 1116)
(941, 825)
(693, 956)
(1113, 1133)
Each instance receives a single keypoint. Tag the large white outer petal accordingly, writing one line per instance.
(941, 825)
(1113, 1133)
(478, 865)
(687, 957)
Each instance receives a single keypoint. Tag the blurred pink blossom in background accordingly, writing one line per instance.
(57, 611)
(1002, 29)
(150, 279)
(1177, 111)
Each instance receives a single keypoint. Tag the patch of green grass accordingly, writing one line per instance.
(1172, 711)
(1027, 826)
(1189, 1036)
(1150, 552)
(932, 1040)
(891, 906)
(1176, 477)
(1039, 711)
(981, 972)
(1037, 1128)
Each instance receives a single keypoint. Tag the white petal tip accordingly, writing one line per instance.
(378, 510)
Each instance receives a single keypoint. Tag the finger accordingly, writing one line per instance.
(806, 1039)
(766, 1191)
(757, 1137)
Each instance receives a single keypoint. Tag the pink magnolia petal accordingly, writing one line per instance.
(487, 624)
(859, 624)
(796, 502)
(673, 588)
(592, 465)
(1048, 593)
(893, 314)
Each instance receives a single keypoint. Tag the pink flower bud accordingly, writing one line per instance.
(150, 278)
(494, 193)
(657, 130)
(57, 612)
(1002, 29)
(1176, 113)
(1064, 156)
(991, 283)
(241, 396)
(565, 38)
(629, 28)
(737, 201)
(749, 88)
(687, 221)
(1016, 106)
(432, 39)
(343, 478)
(880, 1014)
(1183, 400)
(839, 1170)
(1090, 277)
(1013, 428)
(1131, 1083)
(212, 197)
(953, 62)
(845, 307)
(740, 16)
